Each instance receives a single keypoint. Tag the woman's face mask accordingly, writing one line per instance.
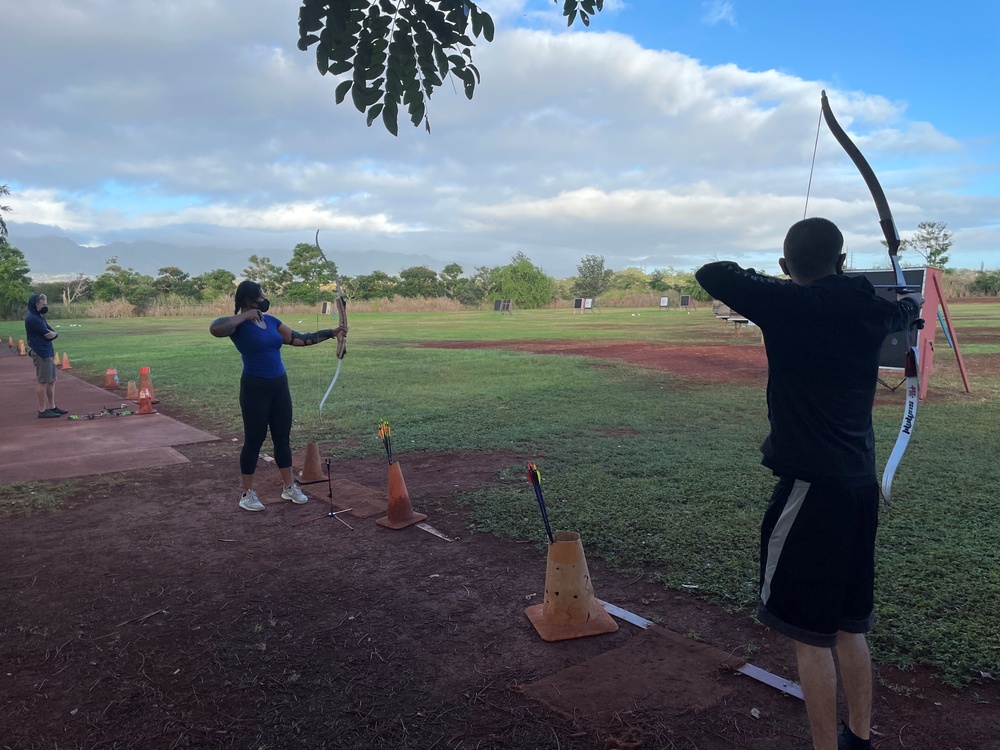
(264, 305)
(43, 309)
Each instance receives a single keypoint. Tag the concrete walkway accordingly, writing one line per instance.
(38, 449)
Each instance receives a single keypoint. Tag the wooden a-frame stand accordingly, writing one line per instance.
(934, 305)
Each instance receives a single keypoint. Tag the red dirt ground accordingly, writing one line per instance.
(149, 612)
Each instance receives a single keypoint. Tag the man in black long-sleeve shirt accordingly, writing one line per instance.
(823, 333)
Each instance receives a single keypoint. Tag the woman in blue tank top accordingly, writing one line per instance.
(265, 401)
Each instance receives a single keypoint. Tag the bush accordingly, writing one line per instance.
(116, 308)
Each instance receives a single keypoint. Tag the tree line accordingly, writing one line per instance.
(308, 278)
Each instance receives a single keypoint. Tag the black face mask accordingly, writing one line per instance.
(43, 310)
(264, 305)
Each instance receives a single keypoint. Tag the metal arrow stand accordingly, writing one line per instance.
(329, 493)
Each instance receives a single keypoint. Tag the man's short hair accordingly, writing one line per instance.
(812, 247)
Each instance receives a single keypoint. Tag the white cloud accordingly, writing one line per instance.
(575, 143)
(719, 11)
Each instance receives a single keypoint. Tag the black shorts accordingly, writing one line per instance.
(817, 560)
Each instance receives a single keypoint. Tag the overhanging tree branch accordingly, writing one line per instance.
(399, 51)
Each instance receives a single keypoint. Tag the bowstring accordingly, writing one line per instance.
(812, 167)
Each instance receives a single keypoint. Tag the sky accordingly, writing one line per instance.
(667, 134)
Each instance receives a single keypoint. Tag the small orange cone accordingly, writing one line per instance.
(111, 379)
(311, 470)
(569, 609)
(65, 362)
(401, 513)
(146, 384)
(20, 348)
(132, 392)
(145, 403)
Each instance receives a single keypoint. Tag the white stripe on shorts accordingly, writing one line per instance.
(780, 533)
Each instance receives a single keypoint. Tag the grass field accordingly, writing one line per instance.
(656, 471)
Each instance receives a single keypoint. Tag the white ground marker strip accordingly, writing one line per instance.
(780, 683)
(431, 530)
(624, 614)
(786, 686)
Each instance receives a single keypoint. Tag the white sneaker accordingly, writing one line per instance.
(250, 501)
(294, 493)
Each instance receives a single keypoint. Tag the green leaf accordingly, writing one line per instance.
(417, 112)
(374, 112)
(488, 28)
(359, 94)
(389, 117)
(375, 94)
(342, 90)
(441, 59)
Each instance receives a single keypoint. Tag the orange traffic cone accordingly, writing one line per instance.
(311, 470)
(65, 362)
(146, 384)
(569, 609)
(132, 392)
(111, 379)
(145, 403)
(20, 348)
(401, 513)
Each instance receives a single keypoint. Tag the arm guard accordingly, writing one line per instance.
(308, 339)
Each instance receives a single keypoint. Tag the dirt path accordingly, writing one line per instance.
(152, 613)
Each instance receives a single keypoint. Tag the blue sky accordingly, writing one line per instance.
(942, 64)
(669, 133)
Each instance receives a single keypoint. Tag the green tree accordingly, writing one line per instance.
(4, 190)
(125, 283)
(375, 285)
(309, 273)
(172, 280)
(659, 281)
(457, 287)
(986, 283)
(419, 281)
(451, 278)
(932, 242)
(398, 52)
(630, 281)
(14, 282)
(592, 278)
(485, 282)
(215, 283)
(524, 283)
(273, 279)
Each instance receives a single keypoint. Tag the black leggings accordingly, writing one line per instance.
(265, 403)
